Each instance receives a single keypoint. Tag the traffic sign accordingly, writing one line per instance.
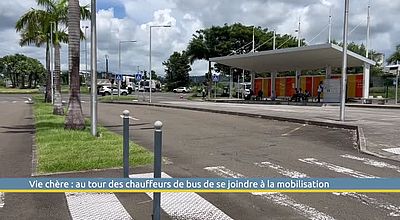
(215, 78)
(118, 77)
(138, 76)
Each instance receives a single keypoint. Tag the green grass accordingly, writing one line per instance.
(60, 150)
(115, 98)
(4, 90)
(381, 91)
(65, 89)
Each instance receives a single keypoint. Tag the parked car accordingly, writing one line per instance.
(106, 90)
(181, 90)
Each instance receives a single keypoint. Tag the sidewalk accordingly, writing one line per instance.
(376, 127)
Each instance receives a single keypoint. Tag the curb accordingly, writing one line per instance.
(374, 106)
(277, 118)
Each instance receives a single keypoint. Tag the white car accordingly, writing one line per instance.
(106, 90)
(181, 90)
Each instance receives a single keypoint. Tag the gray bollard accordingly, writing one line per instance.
(157, 167)
(125, 124)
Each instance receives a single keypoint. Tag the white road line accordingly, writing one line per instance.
(1, 199)
(337, 168)
(281, 170)
(296, 129)
(394, 150)
(371, 162)
(185, 205)
(88, 206)
(276, 198)
(394, 210)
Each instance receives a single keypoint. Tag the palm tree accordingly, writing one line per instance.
(35, 29)
(55, 12)
(395, 57)
(74, 119)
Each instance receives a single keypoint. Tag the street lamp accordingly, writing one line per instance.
(119, 61)
(150, 84)
(344, 60)
(86, 52)
(52, 61)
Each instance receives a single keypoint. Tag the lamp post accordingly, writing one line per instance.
(119, 61)
(86, 52)
(150, 84)
(93, 65)
(52, 62)
(344, 61)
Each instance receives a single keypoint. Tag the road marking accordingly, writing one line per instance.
(281, 170)
(395, 150)
(95, 206)
(337, 168)
(296, 129)
(394, 210)
(185, 205)
(371, 162)
(276, 198)
(1, 199)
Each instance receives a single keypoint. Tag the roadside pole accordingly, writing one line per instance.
(397, 84)
(125, 125)
(157, 167)
(215, 90)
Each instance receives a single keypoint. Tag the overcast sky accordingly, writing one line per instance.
(120, 20)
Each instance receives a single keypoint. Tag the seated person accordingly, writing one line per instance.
(306, 95)
(300, 95)
(295, 95)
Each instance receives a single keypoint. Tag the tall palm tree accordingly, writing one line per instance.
(54, 12)
(35, 29)
(395, 57)
(74, 119)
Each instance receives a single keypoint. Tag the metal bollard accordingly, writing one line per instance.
(125, 124)
(157, 167)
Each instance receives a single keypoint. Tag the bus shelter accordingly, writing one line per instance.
(313, 57)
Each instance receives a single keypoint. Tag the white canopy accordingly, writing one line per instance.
(295, 58)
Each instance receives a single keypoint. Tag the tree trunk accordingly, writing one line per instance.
(30, 78)
(48, 94)
(57, 108)
(74, 119)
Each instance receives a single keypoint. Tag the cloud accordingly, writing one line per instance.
(186, 17)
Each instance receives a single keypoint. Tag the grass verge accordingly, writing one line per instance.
(115, 98)
(60, 150)
(4, 90)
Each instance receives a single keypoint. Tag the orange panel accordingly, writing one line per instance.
(282, 86)
(266, 86)
(351, 86)
(289, 86)
(303, 83)
(308, 81)
(257, 85)
(278, 91)
(359, 85)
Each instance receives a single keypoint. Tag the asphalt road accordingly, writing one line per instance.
(199, 144)
(16, 130)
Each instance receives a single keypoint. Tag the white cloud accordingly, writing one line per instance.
(186, 17)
